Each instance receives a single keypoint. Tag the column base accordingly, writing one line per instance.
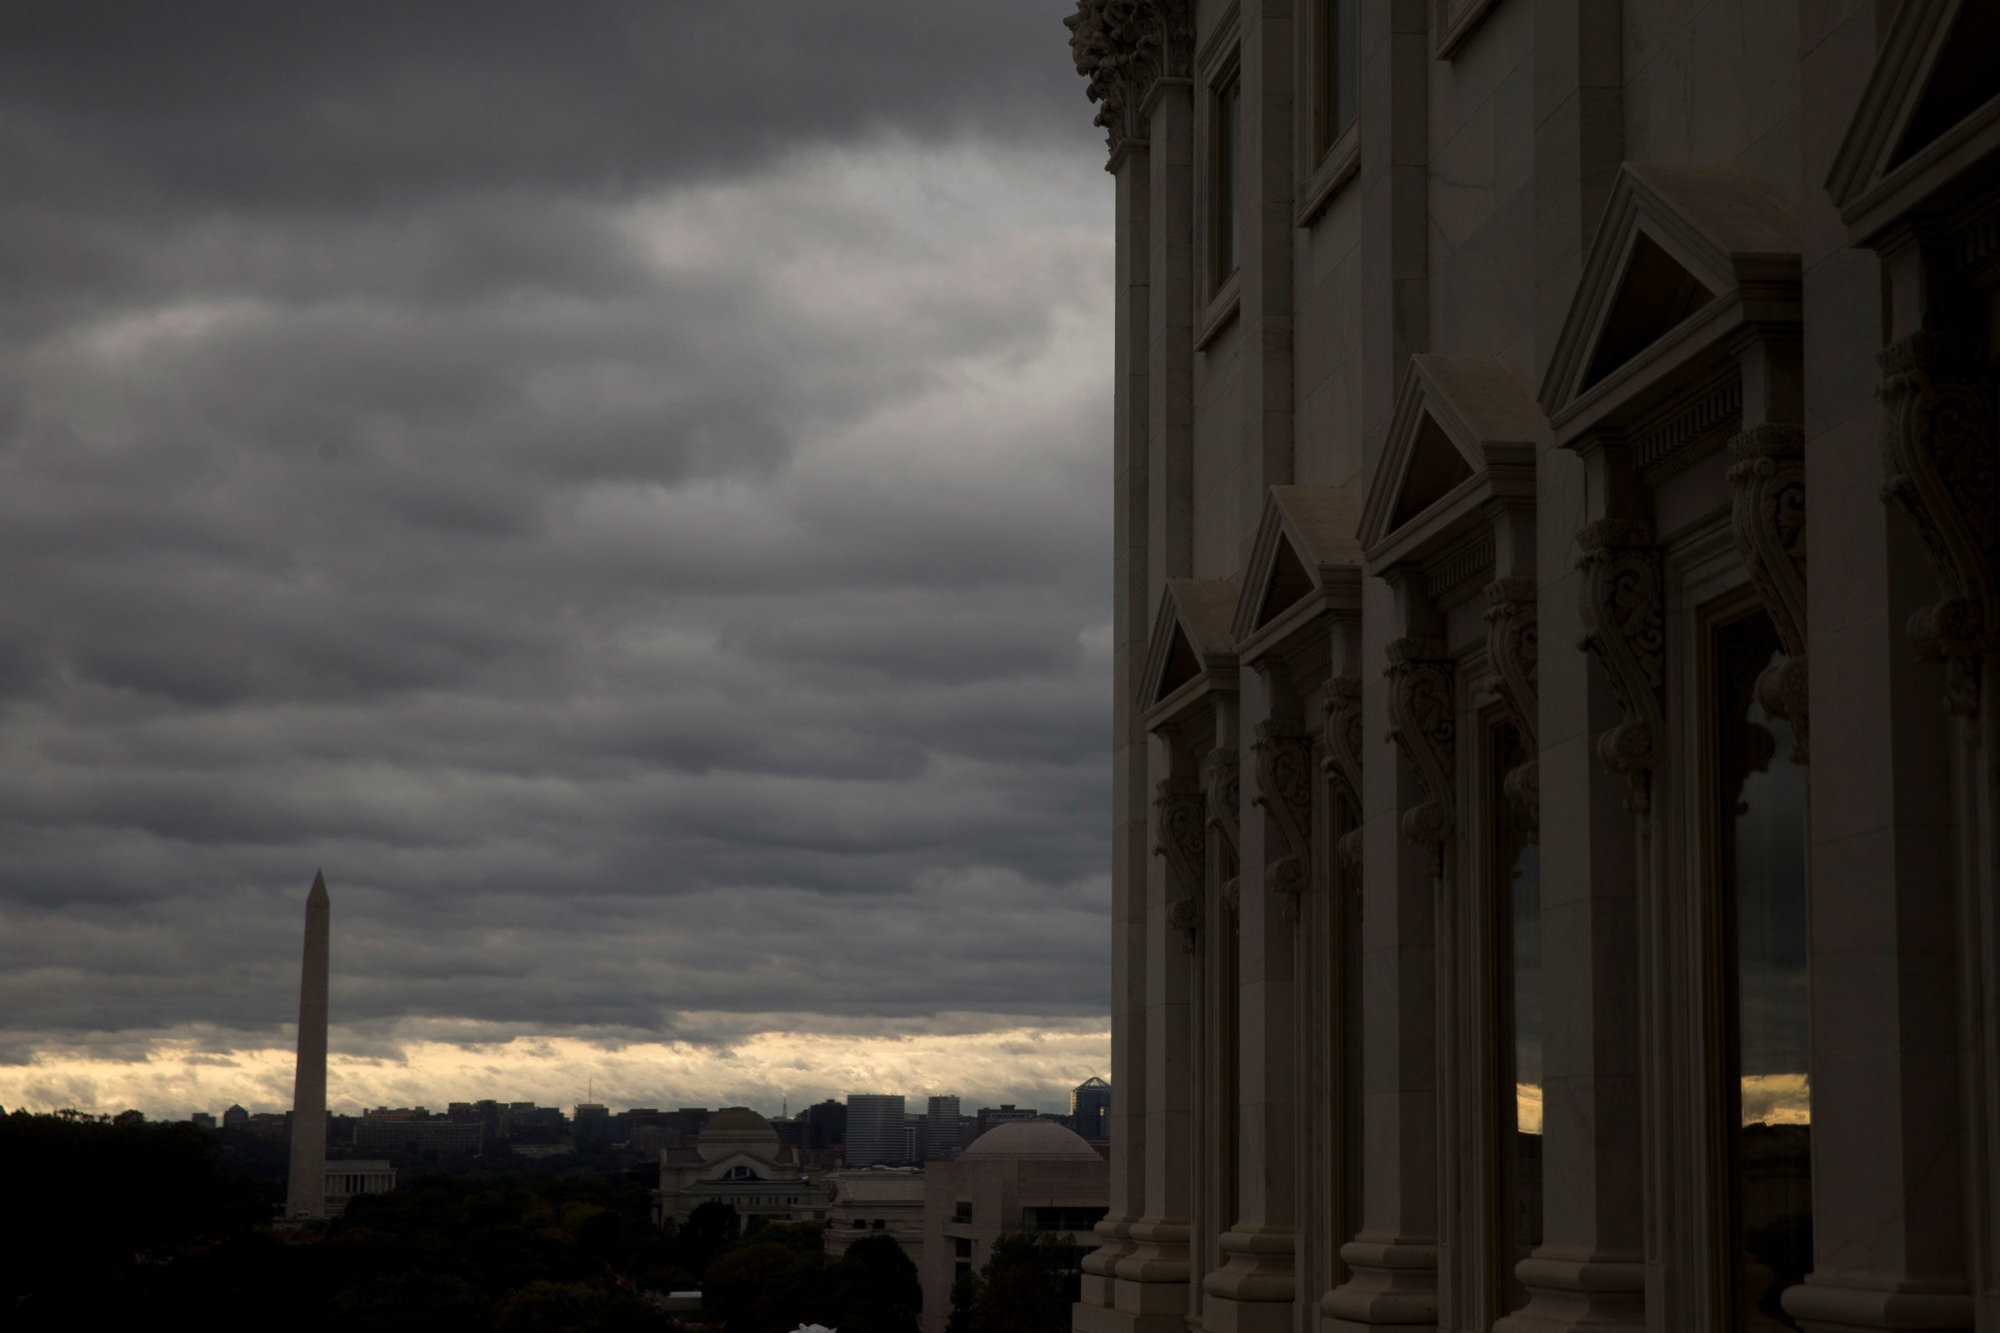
(1394, 1285)
(1099, 1283)
(1824, 1304)
(1254, 1290)
(1578, 1293)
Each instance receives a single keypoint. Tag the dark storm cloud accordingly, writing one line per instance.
(616, 485)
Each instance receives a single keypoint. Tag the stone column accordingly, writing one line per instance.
(1253, 1291)
(1899, 1161)
(1393, 1259)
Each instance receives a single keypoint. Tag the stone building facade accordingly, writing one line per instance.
(1649, 982)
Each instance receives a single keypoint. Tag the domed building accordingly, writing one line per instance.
(737, 1160)
(1024, 1175)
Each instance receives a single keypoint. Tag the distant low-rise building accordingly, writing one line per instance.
(876, 1200)
(235, 1118)
(737, 1160)
(202, 1120)
(1028, 1175)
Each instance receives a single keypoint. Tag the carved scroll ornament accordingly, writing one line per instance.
(1284, 791)
(1512, 650)
(1769, 518)
(1423, 725)
(1938, 458)
(1624, 628)
(1121, 47)
(1181, 815)
(1222, 789)
(1342, 734)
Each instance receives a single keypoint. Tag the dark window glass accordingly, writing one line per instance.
(1516, 902)
(1760, 843)
(1228, 121)
(1336, 75)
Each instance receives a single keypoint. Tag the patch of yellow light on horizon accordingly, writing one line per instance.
(1528, 1108)
(761, 1069)
(1777, 1099)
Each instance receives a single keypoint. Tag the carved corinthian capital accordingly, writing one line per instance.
(1770, 522)
(1342, 734)
(1181, 815)
(1284, 791)
(1222, 786)
(1511, 654)
(1624, 627)
(1121, 47)
(1939, 465)
(1423, 724)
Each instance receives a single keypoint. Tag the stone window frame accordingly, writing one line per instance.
(1217, 62)
(1321, 172)
(1453, 22)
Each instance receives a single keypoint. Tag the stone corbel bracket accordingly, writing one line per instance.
(1938, 458)
(1181, 814)
(1222, 790)
(1769, 518)
(1122, 47)
(1624, 628)
(1512, 643)
(1284, 791)
(1342, 734)
(1423, 724)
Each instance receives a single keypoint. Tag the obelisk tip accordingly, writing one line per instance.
(318, 889)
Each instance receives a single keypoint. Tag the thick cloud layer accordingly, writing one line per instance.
(619, 487)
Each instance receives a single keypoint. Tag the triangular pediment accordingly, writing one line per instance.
(1190, 641)
(1460, 424)
(1929, 115)
(1684, 255)
(1304, 551)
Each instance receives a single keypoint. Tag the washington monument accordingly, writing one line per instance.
(305, 1196)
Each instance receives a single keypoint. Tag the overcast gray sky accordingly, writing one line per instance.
(623, 488)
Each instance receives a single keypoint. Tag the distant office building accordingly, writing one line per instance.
(941, 1127)
(1030, 1175)
(236, 1118)
(394, 1131)
(272, 1123)
(1090, 1109)
(590, 1120)
(202, 1120)
(989, 1116)
(875, 1129)
(829, 1124)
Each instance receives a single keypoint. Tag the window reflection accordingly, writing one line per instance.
(1516, 898)
(1761, 847)
(1228, 116)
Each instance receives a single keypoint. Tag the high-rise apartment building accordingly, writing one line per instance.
(875, 1130)
(1651, 981)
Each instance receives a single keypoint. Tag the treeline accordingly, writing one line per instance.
(130, 1224)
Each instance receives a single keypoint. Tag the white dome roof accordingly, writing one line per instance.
(1028, 1138)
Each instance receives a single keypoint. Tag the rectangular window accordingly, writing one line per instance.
(1756, 837)
(1514, 925)
(962, 1211)
(1336, 72)
(961, 1247)
(1226, 126)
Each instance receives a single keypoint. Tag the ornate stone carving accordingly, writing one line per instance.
(1624, 627)
(1181, 815)
(1938, 458)
(1284, 791)
(1221, 783)
(1121, 47)
(1423, 724)
(1342, 734)
(1770, 522)
(1512, 647)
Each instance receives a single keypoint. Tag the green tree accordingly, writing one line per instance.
(874, 1288)
(763, 1286)
(1029, 1283)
